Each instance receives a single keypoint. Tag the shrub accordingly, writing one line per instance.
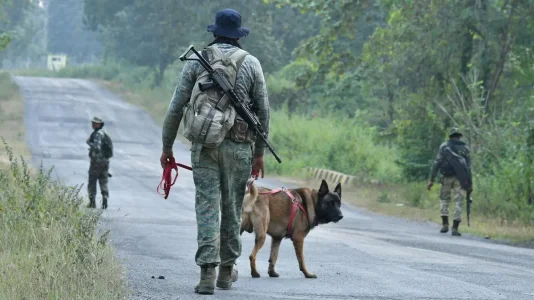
(49, 247)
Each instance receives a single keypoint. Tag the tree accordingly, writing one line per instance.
(67, 33)
(20, 23)
(155, 33)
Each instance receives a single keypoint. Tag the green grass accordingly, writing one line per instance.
(49, 247)
(340, 144)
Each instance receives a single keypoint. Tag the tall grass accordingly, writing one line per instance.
(340, 144)
(49, 247)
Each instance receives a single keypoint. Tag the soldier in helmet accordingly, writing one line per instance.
(100, 151)
(449, 181)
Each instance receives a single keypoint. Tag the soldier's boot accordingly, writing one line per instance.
(206, 286)
(455, 231)
(105, 201)
(445, 227)
(92, 203)
(227, 275)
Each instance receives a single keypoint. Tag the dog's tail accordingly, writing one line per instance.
(250, 197)
(248, 206)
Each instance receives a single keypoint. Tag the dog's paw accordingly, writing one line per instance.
(310, 276)
(273, 274)
(255, 274)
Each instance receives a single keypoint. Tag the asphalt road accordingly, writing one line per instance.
(362, 257)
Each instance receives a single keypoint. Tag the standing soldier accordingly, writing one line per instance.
(100, 151)
(449, 180)
(220, 169)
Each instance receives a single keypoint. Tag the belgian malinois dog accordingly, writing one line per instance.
(265, 212)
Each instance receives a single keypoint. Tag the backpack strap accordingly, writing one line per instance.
(236, 58)
(214, 54)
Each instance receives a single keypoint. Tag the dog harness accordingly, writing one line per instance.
(296, 204)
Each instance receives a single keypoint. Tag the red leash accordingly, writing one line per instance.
(166, 180)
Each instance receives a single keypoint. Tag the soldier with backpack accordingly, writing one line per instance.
(100, 151)
(454, 163)
(224, 148)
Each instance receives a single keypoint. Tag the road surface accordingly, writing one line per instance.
(362, 257)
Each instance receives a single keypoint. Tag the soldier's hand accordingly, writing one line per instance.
(164, 159)
(257, 166)
(429, 185)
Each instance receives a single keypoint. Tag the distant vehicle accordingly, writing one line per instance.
(56, 62)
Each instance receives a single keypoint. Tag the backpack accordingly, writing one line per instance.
(107, 146)
(209, 115)
(458, 165)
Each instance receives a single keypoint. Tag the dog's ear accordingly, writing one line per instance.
(323, 190)
(337, 190)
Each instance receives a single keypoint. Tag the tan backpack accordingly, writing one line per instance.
(209, 115)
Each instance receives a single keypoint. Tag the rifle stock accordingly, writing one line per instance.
(243, 110)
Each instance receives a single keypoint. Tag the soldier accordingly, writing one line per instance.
(100, 151)
(449, 181)
(220, 173)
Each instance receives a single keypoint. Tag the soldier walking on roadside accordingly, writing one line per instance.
(100, 151)
(450, 184)
(220, 169)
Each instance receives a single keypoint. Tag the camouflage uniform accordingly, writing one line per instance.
(220, 175)
(98, 168)
(449, 183)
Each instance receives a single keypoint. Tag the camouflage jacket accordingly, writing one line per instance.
(250, 87)
(95, 147)
(440, 164)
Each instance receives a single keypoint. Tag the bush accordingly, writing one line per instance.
(343, 144)
(49, 248)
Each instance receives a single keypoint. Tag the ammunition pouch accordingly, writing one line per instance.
(240, 132)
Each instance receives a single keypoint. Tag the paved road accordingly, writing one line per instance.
(362, 257)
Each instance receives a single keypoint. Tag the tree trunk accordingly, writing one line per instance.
(158, 78)
(530, 164)
(506, 44)
(391, 107)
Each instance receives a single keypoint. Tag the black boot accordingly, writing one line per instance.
(104, 201)
(92, 203)
(455, 231)
(445, 228)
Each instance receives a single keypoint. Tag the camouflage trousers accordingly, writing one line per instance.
(220, 177)
(98, 171)
(451, 185)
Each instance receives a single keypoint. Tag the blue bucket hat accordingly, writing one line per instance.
(228, 24)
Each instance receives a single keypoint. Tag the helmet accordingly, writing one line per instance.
(455, 131)
(97, 120)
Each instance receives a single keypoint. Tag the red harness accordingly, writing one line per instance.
(166, 180)
(293, 207)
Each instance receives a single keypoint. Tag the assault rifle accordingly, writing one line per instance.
(469, 200)
(219, 79)
(463, 173)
